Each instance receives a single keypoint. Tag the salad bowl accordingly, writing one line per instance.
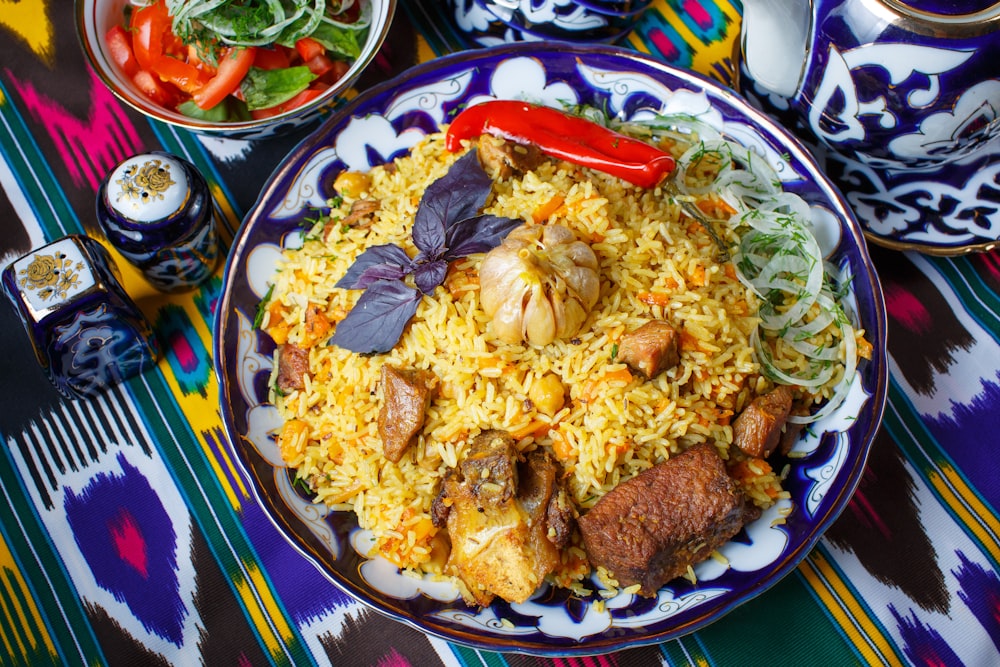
(95, 18)
(385, 122)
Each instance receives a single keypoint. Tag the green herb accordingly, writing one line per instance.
(262, 308)
(266, 88)
(265, 22)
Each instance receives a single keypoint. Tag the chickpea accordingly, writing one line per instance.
(547, 394)
(352, 184)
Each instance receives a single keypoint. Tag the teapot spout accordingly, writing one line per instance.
(774, 38)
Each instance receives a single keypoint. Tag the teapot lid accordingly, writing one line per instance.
(950, 8)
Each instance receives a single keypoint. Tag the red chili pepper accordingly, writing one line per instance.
(563, 136)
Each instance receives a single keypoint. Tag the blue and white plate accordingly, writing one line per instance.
(384, 123)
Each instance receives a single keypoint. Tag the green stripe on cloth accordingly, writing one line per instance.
(793, 620)
(183, 456)
(978, 299)
(43, 193)
(38, 561)
(956, 495)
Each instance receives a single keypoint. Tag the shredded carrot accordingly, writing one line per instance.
(688, 341)
(344, 495)
(730, 270)
(621, 375)
(670, 283)
(698, 276)
(561, 446)
(864, 347)
(716, 208)
(526, 430)
(277, 328)
(317, 327)
(661, 299)
(545, 210)
(292, 439)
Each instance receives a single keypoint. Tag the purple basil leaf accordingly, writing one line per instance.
(429, 275)
(377, 272)
(480, 233)
(378, 318)
(389, 254)
(457, 195)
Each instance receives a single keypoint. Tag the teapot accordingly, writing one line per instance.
(901, 99)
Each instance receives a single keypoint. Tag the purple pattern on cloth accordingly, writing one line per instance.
(307, 594)
(923, 644)
(122, 515)
(969, 437)
(980, 591)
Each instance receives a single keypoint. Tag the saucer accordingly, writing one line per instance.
(953, 209)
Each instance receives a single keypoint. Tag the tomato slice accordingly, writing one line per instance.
(148, 25)
(159, 92)
(302, 98)
(272, 58)
(309, 48)
(120, 49)
(319, 64)
(154, 44)
(234, 64)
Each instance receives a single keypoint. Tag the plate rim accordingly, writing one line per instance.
(588, 645)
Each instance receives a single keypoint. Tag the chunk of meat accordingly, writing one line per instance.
(757, 430)
(505, 158)
(406, 395)
(360, 215)
(293, 365)
(551, 513)
(651, 349)
(651, 528)
(507, 520)
(361, 212)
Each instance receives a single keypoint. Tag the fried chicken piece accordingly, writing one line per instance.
(507, 520)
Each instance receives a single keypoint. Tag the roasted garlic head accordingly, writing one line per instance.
(539, 285)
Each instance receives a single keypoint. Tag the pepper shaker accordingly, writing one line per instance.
(156, 210)
(86, 331)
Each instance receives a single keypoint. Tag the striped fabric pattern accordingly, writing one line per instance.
(128, 536)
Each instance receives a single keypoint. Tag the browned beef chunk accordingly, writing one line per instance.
(293, 364)
(651, 349)
(650, 528)
(497, 511)
(757, 430)
(406, 394)
(507, 157)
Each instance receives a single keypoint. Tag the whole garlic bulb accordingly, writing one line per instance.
(539, 284)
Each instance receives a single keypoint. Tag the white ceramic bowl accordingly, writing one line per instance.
(95, 17)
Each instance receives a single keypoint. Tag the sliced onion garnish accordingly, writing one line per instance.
(780, 260)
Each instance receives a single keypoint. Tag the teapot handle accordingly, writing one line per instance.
(774, 41)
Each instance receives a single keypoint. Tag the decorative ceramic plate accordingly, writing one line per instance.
(384, 123)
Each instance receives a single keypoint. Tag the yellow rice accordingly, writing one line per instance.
(654, 264)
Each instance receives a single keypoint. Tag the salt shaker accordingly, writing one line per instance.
(156, 210)
(86, 331)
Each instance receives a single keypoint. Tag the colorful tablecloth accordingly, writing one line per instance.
(129, 537)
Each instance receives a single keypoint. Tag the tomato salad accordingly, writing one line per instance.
(237, 60)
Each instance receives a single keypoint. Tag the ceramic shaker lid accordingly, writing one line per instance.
(148, 188)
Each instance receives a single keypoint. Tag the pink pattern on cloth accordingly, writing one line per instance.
(89, 147)
(129, 544)
(904, 307)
